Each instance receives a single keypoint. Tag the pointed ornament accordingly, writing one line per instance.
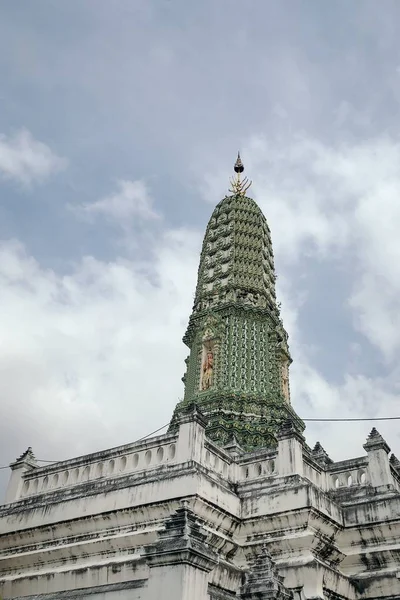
(239, 186)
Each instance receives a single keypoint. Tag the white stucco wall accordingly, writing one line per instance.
(326, 525)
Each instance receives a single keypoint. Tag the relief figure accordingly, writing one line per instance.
(208, 367)
(285, 380)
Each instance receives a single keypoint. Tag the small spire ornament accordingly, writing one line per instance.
(239, 186)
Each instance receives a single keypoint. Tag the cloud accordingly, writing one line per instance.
(26, 160)
(338, 203)
(129, 203)
(93, 358)
(360, 395)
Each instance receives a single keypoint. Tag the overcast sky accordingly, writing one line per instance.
(119, 125)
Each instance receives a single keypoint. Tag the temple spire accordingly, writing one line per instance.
(238, 364)
(239, 186)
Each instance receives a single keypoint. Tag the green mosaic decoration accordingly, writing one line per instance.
(237, 369)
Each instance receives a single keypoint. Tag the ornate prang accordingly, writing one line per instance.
(237, 371)
(376, 442)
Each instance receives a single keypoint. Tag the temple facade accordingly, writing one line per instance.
(231, 503)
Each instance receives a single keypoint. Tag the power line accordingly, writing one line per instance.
(339, 420)
(355, 419)
(139, 440)
(152, 433)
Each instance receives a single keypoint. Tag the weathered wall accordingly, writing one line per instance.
(125, 522)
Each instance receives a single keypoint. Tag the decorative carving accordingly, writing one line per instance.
(289, 429)
(27, 456)
(209, 328)
(233, 446)
(395, 462)
(263, 580)
(183, 540)
(376, 442)
(207, 371)
(320, 455)
(285, 380)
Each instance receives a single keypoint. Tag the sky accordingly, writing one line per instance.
(120, 121)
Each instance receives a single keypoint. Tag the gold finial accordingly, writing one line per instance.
(239, 186)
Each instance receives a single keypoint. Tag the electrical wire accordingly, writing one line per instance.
(344, 420)
(139, 440)
(355, 419)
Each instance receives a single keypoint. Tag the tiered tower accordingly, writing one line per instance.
(238, 366)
